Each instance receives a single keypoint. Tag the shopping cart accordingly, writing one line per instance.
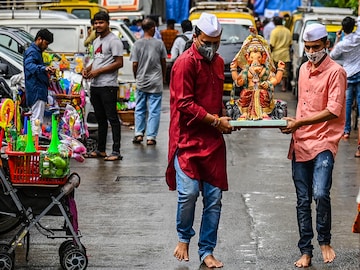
(26, 197)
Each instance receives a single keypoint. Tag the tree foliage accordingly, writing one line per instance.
(353, 4)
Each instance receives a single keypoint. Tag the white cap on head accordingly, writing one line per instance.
(314, 32)
(209, 25)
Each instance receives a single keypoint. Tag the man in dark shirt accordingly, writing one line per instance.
(37, 76)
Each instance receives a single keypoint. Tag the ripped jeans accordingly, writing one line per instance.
(313, 179)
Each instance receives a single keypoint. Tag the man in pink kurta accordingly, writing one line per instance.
(316, 132)
(197, 155)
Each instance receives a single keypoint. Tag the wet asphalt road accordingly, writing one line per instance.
(127, 214)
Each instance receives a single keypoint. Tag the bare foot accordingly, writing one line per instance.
(303, 262)
(357, 153)
(211, 262)
(181, 251)
(328, 253)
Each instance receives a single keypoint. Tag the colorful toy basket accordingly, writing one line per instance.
(64, 100)
(25, 169)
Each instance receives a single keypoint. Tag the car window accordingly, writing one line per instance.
(82, 13)
(297, 26)
(9, 42)
(233, 33)
(128, 32)
(234, 30)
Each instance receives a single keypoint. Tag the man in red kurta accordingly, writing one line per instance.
(197, 154)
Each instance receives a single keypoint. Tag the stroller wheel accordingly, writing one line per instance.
(6, 260)
(73, 258)
(64, 246)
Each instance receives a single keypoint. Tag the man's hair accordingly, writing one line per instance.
(147, 24)
(155, 18)
(101, 16)
(197, 31)
(186, 25)
(348, 25)
(170, 22)
(45, 34)
(277, 20)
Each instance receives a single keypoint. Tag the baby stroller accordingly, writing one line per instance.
(25, 198)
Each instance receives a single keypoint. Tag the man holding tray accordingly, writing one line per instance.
(197, 153)
(316, 132)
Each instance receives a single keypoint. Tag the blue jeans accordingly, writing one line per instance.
(188, 191)
(352, 91)
(153, 117)
(313, 179)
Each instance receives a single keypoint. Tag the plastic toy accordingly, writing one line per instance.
(54, 143)
(64, 63)
(30, 147)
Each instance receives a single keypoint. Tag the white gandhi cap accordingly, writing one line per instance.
(314, 32)
(209, 25)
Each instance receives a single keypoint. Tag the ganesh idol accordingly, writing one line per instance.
(258, 77)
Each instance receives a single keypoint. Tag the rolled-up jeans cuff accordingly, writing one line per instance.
(202, 257)
(307, 253)
(185, 241)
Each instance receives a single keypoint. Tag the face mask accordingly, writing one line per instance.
(315, 57)
(208, 51)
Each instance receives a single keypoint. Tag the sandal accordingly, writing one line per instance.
(151, 142)
(95, 154)
(138, 139)
(114, 156)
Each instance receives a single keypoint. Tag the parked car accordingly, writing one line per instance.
(330, 17)
(15, 39)
(235, 19)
